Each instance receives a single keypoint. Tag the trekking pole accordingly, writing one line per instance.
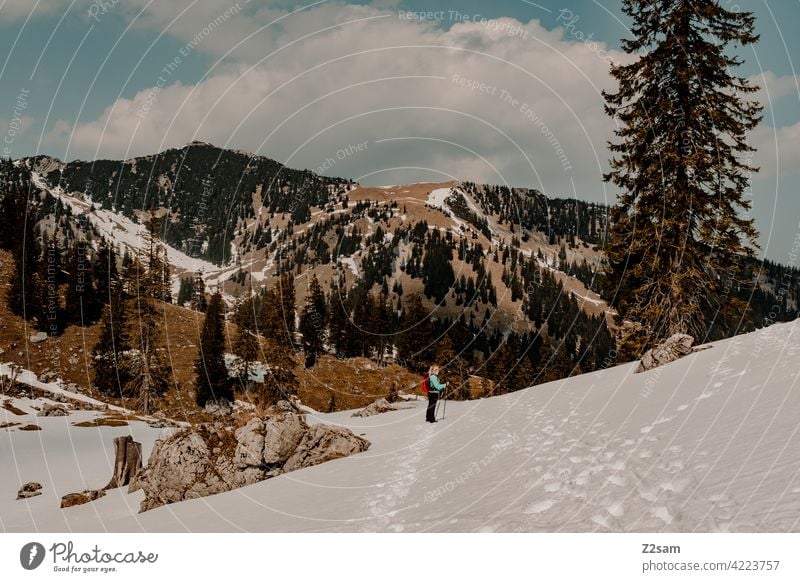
(444, 405)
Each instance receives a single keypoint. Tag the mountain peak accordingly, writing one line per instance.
(198, 142)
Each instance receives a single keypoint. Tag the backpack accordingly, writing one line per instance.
(425, 385)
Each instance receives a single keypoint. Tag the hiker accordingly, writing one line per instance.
(434, 388)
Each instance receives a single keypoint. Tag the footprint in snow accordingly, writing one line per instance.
(677, 485)
(540, 506)
(662, 513)
(617, 480)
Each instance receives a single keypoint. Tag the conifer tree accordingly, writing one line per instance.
(246, 343)
(110, 376)
(271, 322)
(286, 294)
(185, 290)
(313, 320)
(681, 163)
(281, 380)
(82, 301)
(147, 369)
(212, 383)
(22, 296)
(415, 335)
(339, 325)
(105, 271)
(382, 325)
(198, 300)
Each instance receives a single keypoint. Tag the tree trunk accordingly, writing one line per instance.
(127, 463)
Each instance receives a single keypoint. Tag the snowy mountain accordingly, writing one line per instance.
(240, 219)
(707, 443)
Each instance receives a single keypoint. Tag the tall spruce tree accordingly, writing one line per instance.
(281, 380)
(682, 165)
(415, 336)
(286, 294)
(105, 270)
(25, 285)
(246, 343)
(339, 325)
(313, 321)
(198, 297)
(147, 368)
(83, 304)
(110, 374)
(213, 384)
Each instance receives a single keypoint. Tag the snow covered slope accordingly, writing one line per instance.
(708, 443)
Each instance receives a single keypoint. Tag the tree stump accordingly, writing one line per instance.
(127, 463)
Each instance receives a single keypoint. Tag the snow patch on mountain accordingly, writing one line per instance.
(121, 230)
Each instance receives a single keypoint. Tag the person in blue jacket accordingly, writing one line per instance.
(435, 387)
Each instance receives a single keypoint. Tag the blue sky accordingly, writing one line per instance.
(298, 84)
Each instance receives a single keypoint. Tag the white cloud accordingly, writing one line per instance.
(773, 88)
(338, 74)
(778, 151)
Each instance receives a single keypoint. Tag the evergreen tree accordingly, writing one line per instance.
(82, 302)
(271, 322)
(198, 300)
(213, 384)
(415, 335)
(149, 374)
(105, 271)
(683, 123)
(185, 291)
(281, 381)
(286, 294)
(313, 320)
(22, 296)
(47, 287)
(382, 325)
(110, 376)
(338, 319)
(246, 343)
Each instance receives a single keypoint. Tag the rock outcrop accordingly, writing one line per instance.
(213, 458)
(282, 435)
(220, 408)
(31, 489)
(378, 407)
(72, 499)
(53, 410)
(671, 349)
(324, 443)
